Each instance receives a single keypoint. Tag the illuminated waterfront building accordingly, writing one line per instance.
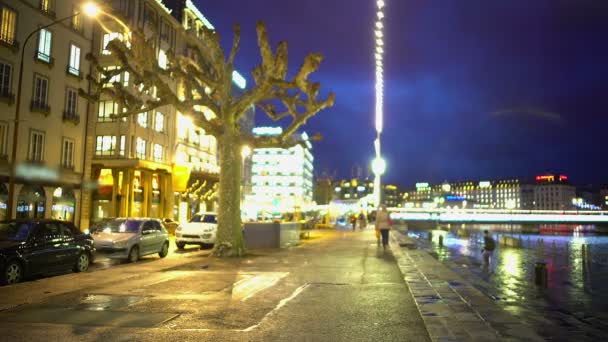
(281, 179)
(553, 192)
(50, 153)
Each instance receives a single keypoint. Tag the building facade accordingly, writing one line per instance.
(156, 163)
(282, 179)
(52, 120)
(547, 192)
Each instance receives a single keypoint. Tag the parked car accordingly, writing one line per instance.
(170, 225)
(38, 246)
(201, 230)
(130, 238)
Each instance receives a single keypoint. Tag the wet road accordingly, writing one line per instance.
(338, 286)
(575, 302)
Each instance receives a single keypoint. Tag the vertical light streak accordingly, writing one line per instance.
(379, 114)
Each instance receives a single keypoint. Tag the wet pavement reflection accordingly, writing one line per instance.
(575, 302)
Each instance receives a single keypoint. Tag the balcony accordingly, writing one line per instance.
(44, 58)
(71, 117)
(71, 71)
(40, 107)
(10, 42)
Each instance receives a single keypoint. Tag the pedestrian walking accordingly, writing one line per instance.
(362, 222)
(383, 224)
(353, 221)
(488, 247)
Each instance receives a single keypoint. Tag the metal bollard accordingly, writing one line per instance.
(540, 274)
(440, 240)
(430, 236)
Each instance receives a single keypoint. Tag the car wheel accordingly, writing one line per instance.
(164, 250)
(180, 245)
(134, 254)
(82, 263)
(13, 273)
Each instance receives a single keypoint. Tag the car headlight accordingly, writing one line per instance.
(208, 230)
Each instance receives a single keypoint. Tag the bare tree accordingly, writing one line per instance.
(204, 79)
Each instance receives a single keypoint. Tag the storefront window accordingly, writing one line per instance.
(138, 194)
(156, 195)
(63, 205)
(31, 202)
(102, 198)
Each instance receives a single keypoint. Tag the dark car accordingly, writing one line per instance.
(29, 247)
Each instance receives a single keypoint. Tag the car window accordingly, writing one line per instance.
(149, 226)
(207, 218)
(157, 225)
(66, 230)
(117, 226)
(52, 229)
(17, 231)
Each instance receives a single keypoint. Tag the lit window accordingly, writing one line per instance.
(158, 153)
(105, 145)
(77, 19)
(36, 150)
(45, 39)
(47, 6)
(122, 145)
(67, 153)
(140, 151)
(159, 122)
(142, 119)
(122, 77)
(162, 59)
(74, 66)
(8, 26)
(108, 37)
(105, 111)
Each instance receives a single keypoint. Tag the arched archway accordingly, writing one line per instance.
(31, 202)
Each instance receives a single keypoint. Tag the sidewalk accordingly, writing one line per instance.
(451, 308)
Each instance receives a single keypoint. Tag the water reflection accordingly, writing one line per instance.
(575, 256)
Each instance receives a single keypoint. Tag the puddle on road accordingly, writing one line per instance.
(100, 302)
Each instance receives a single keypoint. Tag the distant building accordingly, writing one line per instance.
(550, 192)
(358, 188)
(282, 179)
(553, 192)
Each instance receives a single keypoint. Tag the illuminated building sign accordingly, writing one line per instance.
(454, 198)
(545, 178)
(485, 184)
(422, 185)
(267, 130)
(551, 178)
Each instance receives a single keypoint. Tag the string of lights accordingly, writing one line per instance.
(378, 165)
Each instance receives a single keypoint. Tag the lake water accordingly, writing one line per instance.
(574, 305)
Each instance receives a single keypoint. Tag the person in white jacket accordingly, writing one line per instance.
(383, 223)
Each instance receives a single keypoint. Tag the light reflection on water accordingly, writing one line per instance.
(577, 264)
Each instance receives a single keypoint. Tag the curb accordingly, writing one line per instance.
(451, 308)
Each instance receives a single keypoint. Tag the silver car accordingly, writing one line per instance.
(130, 238)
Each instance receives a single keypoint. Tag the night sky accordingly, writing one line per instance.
(474, 89)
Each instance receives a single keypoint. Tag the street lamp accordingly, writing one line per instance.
(90, 9)
(378, 167)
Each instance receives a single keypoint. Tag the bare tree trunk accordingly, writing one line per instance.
(229, 234)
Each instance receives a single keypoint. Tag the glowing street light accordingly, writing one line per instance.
(90, 9)
(379, 165)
